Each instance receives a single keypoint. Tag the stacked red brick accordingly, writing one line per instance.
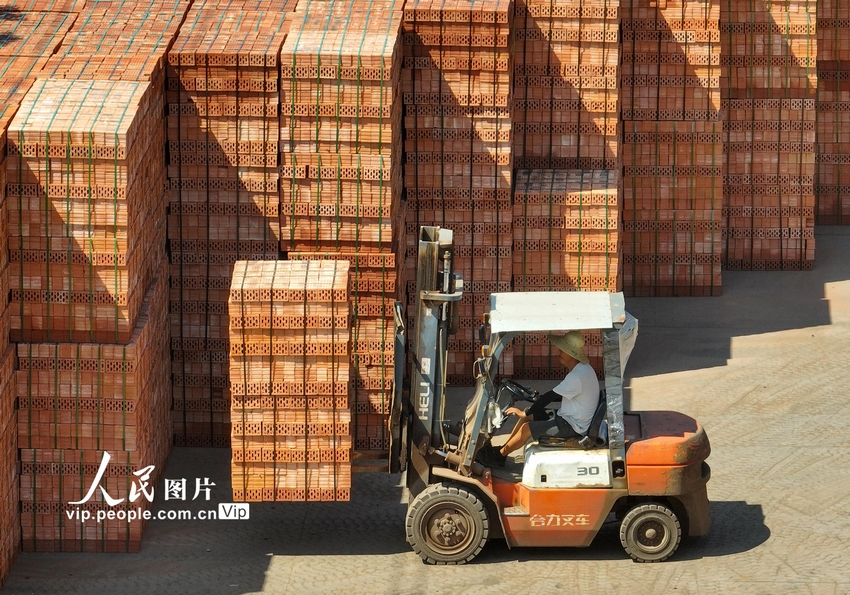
(458, 149)
(341, 181)
(119, 40)
(30, 31)
(832, 181)
(566, 84)
(223, 103)
(673, 152)
(290, 329)
(85, 174)
(578, 250)
(12, 91)
(769, 96)
(10, 522)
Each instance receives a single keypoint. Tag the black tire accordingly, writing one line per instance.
(447, 524)
(650, 532)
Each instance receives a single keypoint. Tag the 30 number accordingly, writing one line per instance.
(588, 470)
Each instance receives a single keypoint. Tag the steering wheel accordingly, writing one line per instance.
(519, 392)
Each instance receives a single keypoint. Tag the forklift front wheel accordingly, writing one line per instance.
(650, 532)
(447, 524)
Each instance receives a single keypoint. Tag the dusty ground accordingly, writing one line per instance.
(766, 369)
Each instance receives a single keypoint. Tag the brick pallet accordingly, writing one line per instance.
(30, 37)
(672, 196)
(84, 189)
(566, 230)
(290, 326)
(118, 40)
(373, 288)
(832, 188)
(340, 129)
(457, 84)
(341, 178)
(223, 103)
(832, 169)
(566, 238)
(671, 60)
(10, 525)
(673, 148)
(770, 105)
(566, 87)
(77, 401)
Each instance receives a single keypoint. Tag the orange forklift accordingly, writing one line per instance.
(645, 468)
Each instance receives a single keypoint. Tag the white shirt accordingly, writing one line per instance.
(580, 392)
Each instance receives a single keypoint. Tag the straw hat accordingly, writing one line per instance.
(572, 344)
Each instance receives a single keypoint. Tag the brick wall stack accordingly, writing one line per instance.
(12, 92)
(290, 371)
(769, 97)
(458, 150)
(832, 183)
(116, 40)
(341, 178)
(223, 104)
(672, 151)
(579, 250)
(85, 173)
(566, 84)
(10, 521)
(31, 31)
(77, 401)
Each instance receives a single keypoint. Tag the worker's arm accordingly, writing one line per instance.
(541, 403)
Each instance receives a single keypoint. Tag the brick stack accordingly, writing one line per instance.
(77, 401)
(769, 94)
(85, 173)
(116, 40)
(458, 149)
(30, 33)
(566, 237)
(223, 103)
(372, 289)
(10, 523)
(341, 182)
(290, 330)
(672, 152)
(84, 186)
(566, 84)
(832, 182)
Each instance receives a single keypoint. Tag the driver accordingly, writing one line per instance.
(579, 396)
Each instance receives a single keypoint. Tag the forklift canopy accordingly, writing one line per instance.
(554, 311)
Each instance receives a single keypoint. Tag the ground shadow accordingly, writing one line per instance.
(737, 527)
(751, 304)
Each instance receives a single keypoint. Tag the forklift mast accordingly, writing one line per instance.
(438, 289)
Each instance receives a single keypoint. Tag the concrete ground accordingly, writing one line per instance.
(766, 369)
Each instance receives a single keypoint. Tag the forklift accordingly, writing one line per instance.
(643, 469)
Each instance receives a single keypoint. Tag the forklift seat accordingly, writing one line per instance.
(596, 435)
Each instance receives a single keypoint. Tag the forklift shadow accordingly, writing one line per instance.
(737, 527)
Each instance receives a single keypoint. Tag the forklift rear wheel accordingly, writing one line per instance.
(447, 524)
(650, 533)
